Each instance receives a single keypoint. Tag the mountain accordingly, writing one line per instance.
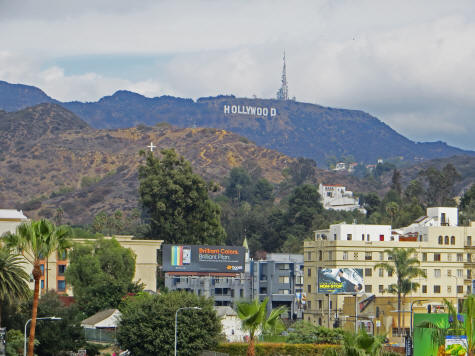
(19, 96)
(294, 128)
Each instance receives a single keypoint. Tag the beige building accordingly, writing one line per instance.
(443, 249)
(146, 263)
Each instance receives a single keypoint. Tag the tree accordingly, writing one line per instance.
(37, 240)
(13, 278)
(177, 203)
(301, 170)
(239, 185)
(147, 324)
(254, 317)
(396, 181)
(101, 274)
(406, 268)
(440, 185)
(392, 209)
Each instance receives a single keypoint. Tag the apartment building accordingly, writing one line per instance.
(278, 277)
(443, 249)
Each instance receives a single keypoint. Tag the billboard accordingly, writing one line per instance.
(340, 280)
(201, 258)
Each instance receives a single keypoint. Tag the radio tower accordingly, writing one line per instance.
(283, 92)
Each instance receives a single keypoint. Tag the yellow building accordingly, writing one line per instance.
(443, 248)
(146, 264)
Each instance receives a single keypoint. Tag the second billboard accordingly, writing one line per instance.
(340, 280)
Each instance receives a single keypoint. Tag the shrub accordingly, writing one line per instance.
(307, 333)
(275, 349)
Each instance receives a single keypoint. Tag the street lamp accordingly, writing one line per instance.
(176, 321)
(45, 318)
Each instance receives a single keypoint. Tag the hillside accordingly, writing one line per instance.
(293, 128)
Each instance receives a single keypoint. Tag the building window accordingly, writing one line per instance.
(424, 289)
(241, 293)
(424, 256)
(263, 290)
(330, 255)
(320, 321)
(320, 304)
(320, 255)
(452, 240)
(345, 255)
(42, 268)
(42, 284)
(349, 237)
(283, 266)
(459, 257)
(368, 272)
(283, 291)
(62, 286)
(62, 256)
(390, 273)
(285, 279)
(368, 288)
(437, 273)
(309, 273)
(309, 305)
(381, 288)
(61, 270)
(436, 289)
(469, 257)
(460, 273)
(459, 289)
(469, 240)
(390, 258)
(381, 272)
(309, 255)
(368, 256)
(362, 237)
(469, 274)
(446, 240)
(309, 288)
(436, 256)
(441, 240)
(367, 237)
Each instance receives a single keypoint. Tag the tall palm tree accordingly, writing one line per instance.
(37, 240)
(253, 317)
(13, 278)
(406, 267)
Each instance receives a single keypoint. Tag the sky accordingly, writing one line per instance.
(409, 63)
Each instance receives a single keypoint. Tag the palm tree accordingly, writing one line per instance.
(406, 267)
(13, 278)
(253, 317)
(37, 240)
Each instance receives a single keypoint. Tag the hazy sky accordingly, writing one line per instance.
(410, 63)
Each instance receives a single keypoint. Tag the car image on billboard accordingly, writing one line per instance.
(340, 280)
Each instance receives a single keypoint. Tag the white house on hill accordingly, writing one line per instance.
(336, 197)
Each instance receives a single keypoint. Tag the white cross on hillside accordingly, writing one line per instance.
(152, 146)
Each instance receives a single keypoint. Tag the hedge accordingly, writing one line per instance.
(275, 349)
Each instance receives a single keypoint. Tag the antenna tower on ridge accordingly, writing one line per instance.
(283, 92)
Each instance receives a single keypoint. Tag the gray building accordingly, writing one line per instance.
(278, 277)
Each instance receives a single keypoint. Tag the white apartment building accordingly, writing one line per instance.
(336, 197)
(443, 249)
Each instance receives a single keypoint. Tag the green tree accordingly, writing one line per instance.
(254, 318)
(37, 240)
(239, 185)
(302, 170)
(392, 209)
(396, 181)
(101, 274)
(177, 203)
(13, 278)
(406, 267)
(440, 185)
(147, 324)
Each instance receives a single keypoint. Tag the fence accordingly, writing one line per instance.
(101, 335)
(213, 353)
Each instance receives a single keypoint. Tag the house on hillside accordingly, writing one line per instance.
(336, 197)
(10, 219)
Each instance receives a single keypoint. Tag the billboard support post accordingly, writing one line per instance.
(356, 313)
(328, 311)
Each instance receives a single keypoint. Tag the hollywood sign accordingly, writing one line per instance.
(250, 110)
